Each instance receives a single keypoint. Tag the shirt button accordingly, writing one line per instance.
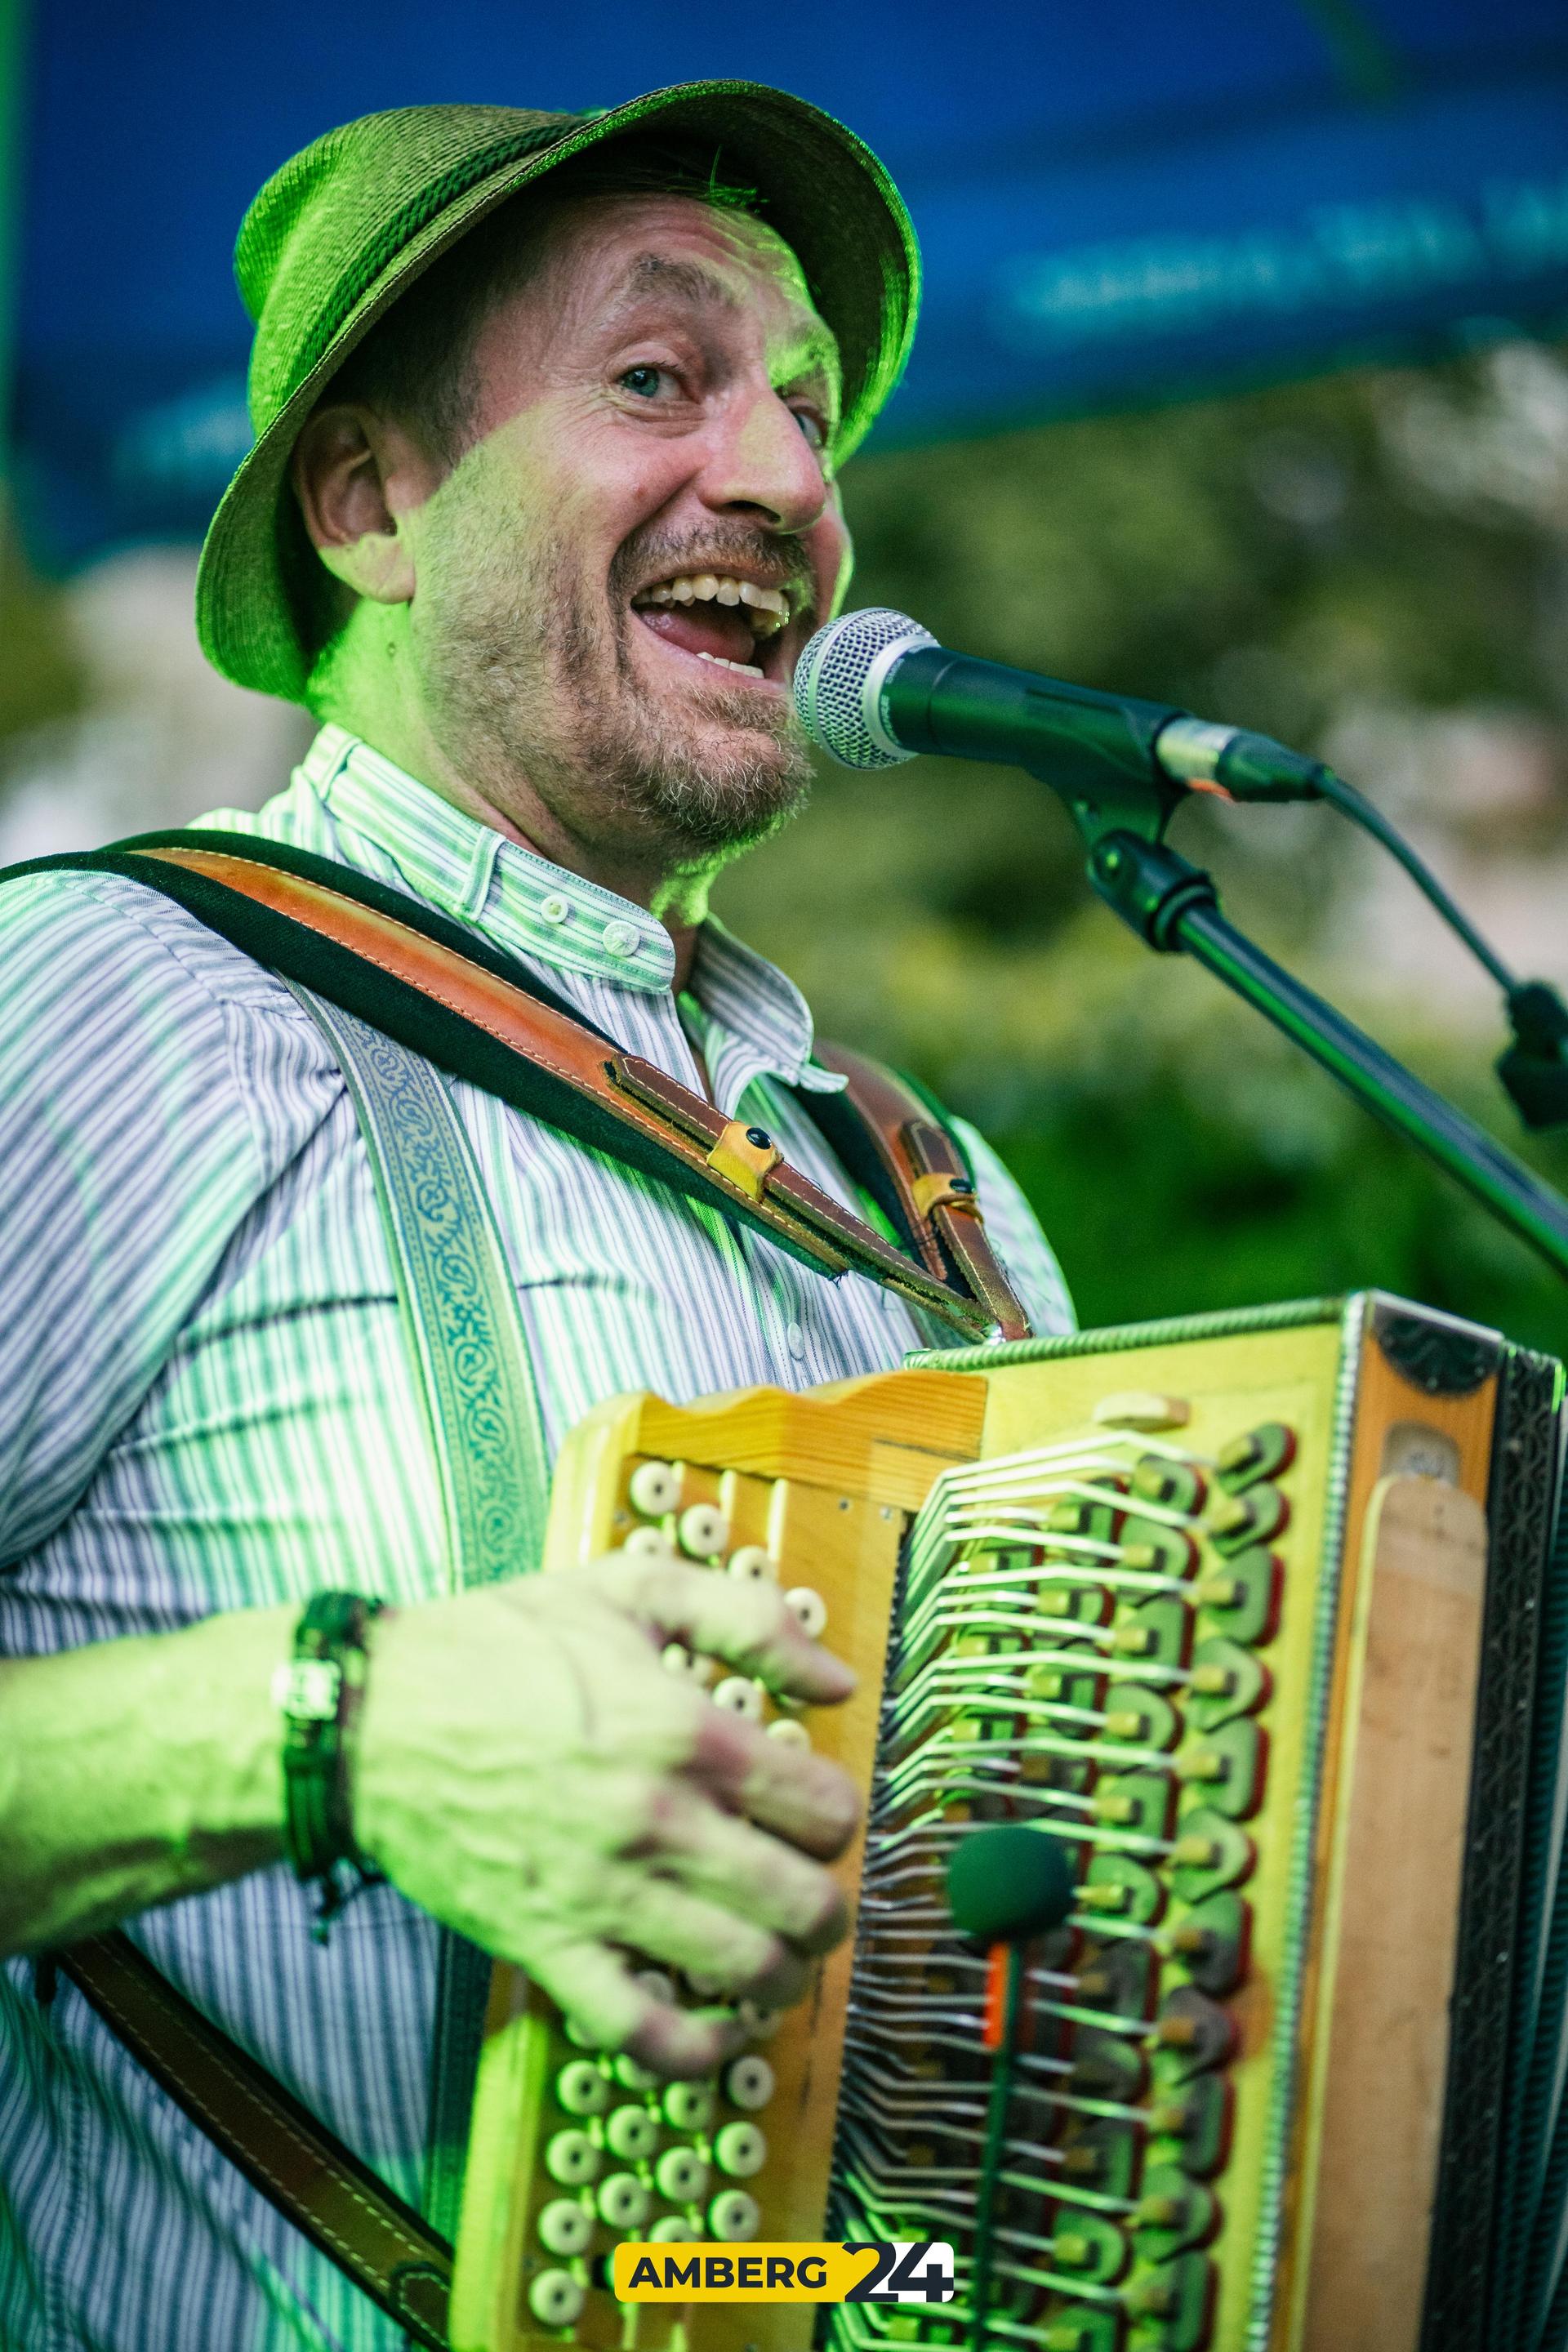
(620, 939)
(794, 1339)
(555, 909)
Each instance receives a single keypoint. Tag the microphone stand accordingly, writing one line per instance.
(1174, 907)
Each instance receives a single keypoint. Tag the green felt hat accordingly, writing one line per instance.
(346, 226)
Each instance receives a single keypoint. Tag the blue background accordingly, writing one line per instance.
(1118, 203)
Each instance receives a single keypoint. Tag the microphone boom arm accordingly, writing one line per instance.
(1174, 907)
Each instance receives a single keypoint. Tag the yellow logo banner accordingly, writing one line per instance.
(808, 2271)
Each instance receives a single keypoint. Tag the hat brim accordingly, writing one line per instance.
(825, 192)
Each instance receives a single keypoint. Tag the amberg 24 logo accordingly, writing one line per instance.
(902, 2270)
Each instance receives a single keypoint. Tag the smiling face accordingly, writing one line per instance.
(600, 604)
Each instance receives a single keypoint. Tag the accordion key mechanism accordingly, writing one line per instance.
(1233, 1616)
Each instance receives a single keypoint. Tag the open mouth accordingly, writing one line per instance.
(739, 626)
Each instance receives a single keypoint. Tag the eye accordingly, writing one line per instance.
(812, 425)
(644, 380)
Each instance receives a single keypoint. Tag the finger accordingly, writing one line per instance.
(605, 2001)
(725, 1860)
(686, 1931)
(797, 1795)
(749, 1625)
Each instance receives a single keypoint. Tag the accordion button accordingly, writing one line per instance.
(655, 1488)
(582, 2089)
(674, 2228)
(680, 2175)
(704, 1531)
(648, 1543)
(809, 1608)
(749, 2083)
(733, 2216)
(565, 2227)
(571, 2157)
(740, 2150)
(689, 2107)
(739, 1696)
(623, 2201)
(755, 1565)
(556, 2299)
(789, 1733)
(633, 2077)
(632, 2134)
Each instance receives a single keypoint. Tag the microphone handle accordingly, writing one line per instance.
(1075, 738)
(933, 701)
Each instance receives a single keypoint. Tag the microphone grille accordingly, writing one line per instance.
(838, 679)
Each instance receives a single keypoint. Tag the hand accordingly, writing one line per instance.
(530, 1771)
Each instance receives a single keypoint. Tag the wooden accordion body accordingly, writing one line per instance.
(1252, 1612)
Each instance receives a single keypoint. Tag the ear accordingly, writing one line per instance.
(350, 473)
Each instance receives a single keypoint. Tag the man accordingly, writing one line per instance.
(542, 511)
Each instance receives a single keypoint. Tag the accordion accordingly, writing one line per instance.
(1256, 1614)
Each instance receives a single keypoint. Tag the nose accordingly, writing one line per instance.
(763, 465)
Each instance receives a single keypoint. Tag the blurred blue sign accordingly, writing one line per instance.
(1118, 204)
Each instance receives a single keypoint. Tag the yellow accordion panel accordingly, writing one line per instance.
(1247, 1612)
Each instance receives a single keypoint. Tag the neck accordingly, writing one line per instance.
(363, 686)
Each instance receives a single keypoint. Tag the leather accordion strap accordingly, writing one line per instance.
(294, 2161)
(934, 1188)
(435, 988)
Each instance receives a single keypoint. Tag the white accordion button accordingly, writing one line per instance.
(704, 1531)
(655, 1488)
(733, 2216)
(556, 2299)
(682, 1661)
(682, 2176)
(740, 1695)
(648, 1543)
(675, 2230)
(809, 1607)
(788, 1732)
(749, 2083)
(689, 2107)
(581, 2089)
(760, 2023)
(623, 2201)
(631, 2134)
(571, 2157)
(655, 1982)
(739, 2150)
(565, 2227)
(755, 1565)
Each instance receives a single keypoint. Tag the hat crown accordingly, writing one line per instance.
(326, 225)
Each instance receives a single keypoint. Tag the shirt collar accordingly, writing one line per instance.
(525, 905)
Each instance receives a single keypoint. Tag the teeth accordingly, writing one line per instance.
(746, 669)
(771, 605)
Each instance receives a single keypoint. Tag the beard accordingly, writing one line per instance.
(530, 672)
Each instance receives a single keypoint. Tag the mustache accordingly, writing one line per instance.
(774, 560)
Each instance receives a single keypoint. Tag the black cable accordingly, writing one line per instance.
(1360, 811)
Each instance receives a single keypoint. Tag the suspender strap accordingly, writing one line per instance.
(351, 2216)
(487, 1433)
(481, 1409)
(433, 987)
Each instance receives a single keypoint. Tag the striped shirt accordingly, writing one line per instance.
(206, 1404)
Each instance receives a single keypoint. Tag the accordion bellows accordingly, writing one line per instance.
(1254, 1613)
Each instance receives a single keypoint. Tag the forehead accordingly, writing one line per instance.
(607, 262)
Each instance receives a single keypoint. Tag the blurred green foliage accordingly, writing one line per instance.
(1277, 560)
(39, 675)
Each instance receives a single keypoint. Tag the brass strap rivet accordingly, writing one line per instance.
(747, 1156)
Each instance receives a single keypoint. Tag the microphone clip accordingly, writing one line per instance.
(1534, 1068)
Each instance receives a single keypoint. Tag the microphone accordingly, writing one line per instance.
(874, 688)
